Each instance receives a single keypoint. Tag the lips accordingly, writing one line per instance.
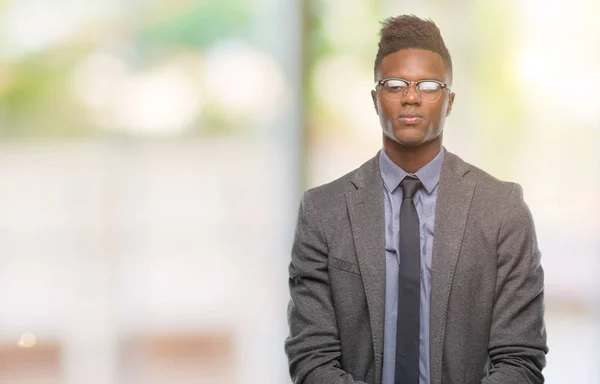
(410, 118)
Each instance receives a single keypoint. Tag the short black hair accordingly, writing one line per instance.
(410, 31)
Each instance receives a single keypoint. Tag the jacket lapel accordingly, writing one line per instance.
(366, 210)
(452, 208)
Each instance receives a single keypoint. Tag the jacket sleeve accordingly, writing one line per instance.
(312, 347)
(517, 345)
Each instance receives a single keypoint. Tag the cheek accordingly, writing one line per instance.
(388, 109)
(437, 113)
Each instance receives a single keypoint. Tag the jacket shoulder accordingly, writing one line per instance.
(482, 177)
(491, 188)
(333, 193)
(329, 195)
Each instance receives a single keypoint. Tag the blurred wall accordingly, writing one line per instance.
(149, 175)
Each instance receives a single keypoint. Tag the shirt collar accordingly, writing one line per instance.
(392, 175)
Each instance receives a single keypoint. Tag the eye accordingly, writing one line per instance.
(395, 85)
(429, 86)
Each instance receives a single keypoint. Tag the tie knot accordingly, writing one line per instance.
(410, 185)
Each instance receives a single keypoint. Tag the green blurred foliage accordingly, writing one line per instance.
(358, 43)
(169, 27)
(37, 99)
(500, 109)
(197, 26)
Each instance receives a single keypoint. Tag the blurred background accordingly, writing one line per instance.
(153, 153)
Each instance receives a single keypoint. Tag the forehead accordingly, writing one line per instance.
(413, 64)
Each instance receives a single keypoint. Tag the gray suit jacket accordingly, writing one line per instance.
(487, 301)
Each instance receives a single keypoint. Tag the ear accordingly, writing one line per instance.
(374, 97)
(450, 103)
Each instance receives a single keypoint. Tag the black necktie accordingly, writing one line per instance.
(409, 292)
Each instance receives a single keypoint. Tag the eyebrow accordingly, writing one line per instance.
(422, 79)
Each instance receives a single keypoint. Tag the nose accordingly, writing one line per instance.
(411, 95)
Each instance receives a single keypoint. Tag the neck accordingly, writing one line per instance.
(411, 158)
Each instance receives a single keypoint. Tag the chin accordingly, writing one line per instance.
(410, 140)
(414, 137)
(411, 143)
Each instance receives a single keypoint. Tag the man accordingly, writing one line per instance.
(417, 267)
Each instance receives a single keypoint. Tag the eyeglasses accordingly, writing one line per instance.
(395, 89)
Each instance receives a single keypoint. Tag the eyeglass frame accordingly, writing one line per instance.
(445, 86)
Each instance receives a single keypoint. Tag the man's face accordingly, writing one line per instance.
(410, 121)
